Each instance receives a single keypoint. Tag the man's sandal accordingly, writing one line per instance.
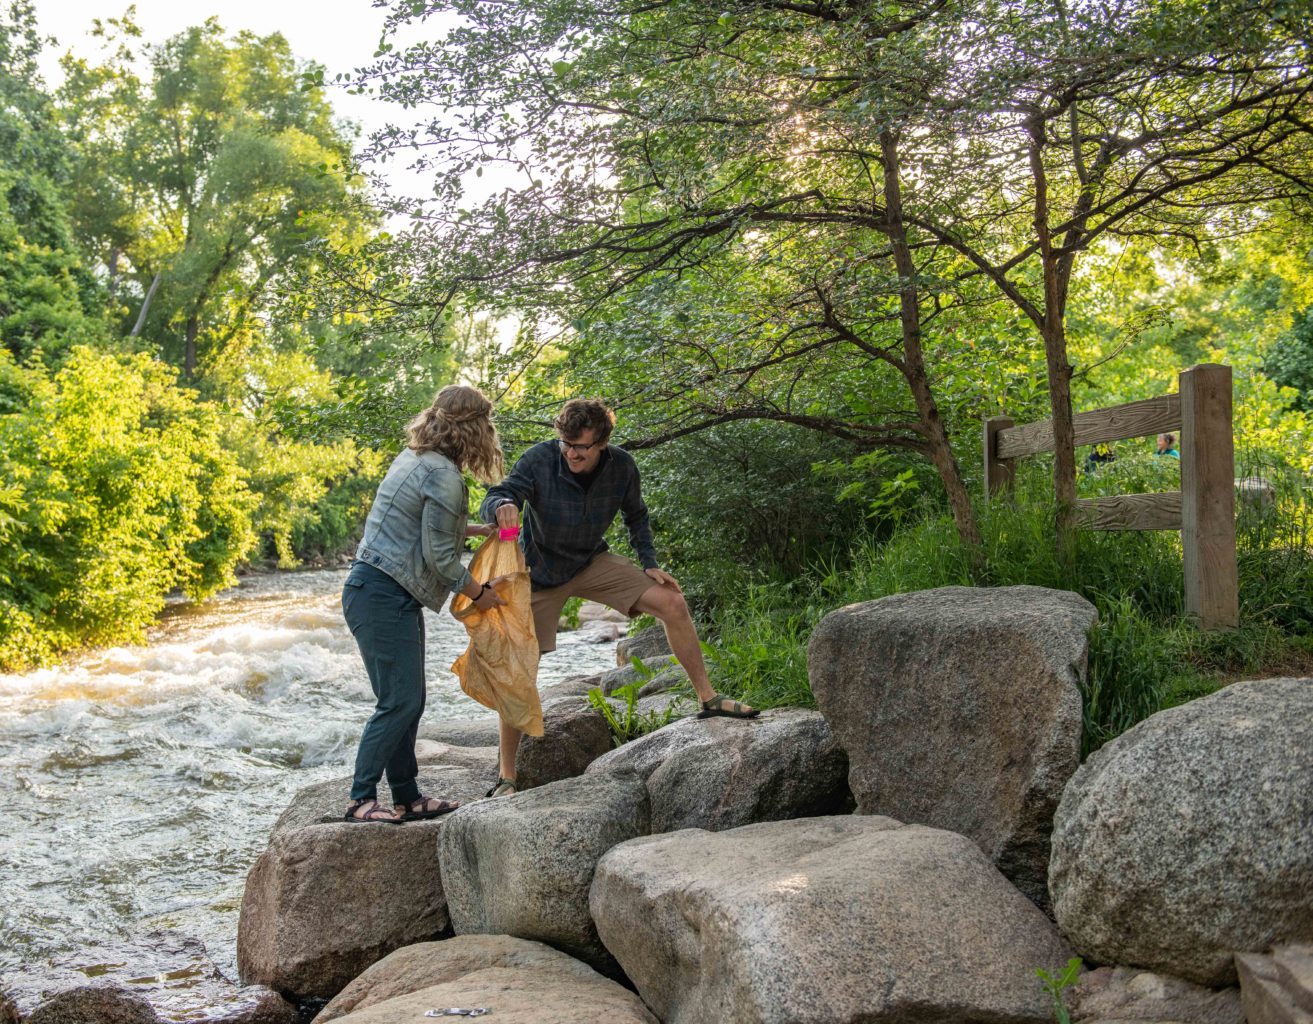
(504, 787)
(425, 807)
(720, 706)
(373, 813)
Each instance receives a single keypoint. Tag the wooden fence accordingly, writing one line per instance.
(1203, 509)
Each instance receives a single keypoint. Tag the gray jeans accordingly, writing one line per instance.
(388, 624)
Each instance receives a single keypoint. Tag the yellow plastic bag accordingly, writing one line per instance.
(499, 669)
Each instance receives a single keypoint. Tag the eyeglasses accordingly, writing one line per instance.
(582, 449)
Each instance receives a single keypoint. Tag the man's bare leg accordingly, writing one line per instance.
(508, 745)
(667, 605)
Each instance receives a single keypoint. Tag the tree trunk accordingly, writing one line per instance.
(189, 352)
(936, 435)
(1055, 354)
(145, 304)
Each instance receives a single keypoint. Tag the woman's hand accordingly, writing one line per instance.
(479, 530)
(488, 598)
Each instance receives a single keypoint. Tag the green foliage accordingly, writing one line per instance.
(1055, 984)
(627, 722)
(118, 489)
(570, 611)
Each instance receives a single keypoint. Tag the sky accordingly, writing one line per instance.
(340, 34)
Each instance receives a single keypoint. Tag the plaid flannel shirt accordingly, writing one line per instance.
(563, 525)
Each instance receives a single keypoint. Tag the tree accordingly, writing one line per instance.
(211, 179)
(943, 164)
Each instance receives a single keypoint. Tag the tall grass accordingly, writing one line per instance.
(1144, 655)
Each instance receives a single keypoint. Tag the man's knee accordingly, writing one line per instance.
(666, 604)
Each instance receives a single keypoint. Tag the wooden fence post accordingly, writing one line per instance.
(999, 473)
(1208, 497)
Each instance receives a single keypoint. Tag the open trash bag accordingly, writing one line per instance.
(499, 669)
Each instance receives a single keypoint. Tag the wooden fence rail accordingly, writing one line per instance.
(1203, 509)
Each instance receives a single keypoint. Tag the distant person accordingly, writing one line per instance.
(572, 488)
(409, 559)
(1100, 455)
(1167, 446)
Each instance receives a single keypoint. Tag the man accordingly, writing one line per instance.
(571, 489)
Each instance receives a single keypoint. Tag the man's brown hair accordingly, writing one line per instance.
(580, 414)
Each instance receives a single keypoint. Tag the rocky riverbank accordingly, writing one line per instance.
(914, 850)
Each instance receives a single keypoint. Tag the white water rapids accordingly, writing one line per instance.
(138, 785)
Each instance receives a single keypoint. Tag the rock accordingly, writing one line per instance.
(94, 1004)
(574, 734)
(522, 865)
(1277, 989)
(599, 631)
(592, 611)
(8, 1011)
(662, 675)
(324, 901)
(1125, 993)
(426, 964)
(1189, 837)
(647, 644)
(462, 732)
(823, 919)
(718, 773)
(431, 752)
(172, 972)
(517, 996)
(960, 708)
(571, 686)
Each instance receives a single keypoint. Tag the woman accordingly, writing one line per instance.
(409, 558)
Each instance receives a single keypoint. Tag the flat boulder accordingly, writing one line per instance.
(431, 752)
(462, 732)
(1277, 988)
(327, 898)
(1127, 993)
(839, 919)
(95, 1004)
(523, 865)
(720, 773)
(960, 708)
(1190, 837)
(426, 964)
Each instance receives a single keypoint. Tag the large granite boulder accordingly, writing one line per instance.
(1277, 988)
(427, 964)
(523, 865)
(719, 773)
(95, 1004)
(960, 708)
(326, 900)
(648, 645)
(823, 920)
(1190, 837)
(574, 735)
(433, 752)
(1128, 994)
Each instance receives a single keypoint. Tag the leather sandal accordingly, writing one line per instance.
(504, 787)
(726, 707)
(425, 807)
(374, 813)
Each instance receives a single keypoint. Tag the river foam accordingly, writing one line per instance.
(138, 784)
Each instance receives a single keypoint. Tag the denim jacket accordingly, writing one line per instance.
(415, 531)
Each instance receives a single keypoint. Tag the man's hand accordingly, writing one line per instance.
(508, 516)
(479, 530)
(664, 578)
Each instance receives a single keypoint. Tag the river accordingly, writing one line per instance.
(138, 785)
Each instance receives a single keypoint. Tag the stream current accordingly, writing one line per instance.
(138, 785)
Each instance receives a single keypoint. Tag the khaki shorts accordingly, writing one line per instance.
(608, 579)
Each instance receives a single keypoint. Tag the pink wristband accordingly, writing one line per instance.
(509, 533)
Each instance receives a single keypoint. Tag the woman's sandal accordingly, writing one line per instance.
(725, 707)
(504, 787)
(374, 813)
(425, 807)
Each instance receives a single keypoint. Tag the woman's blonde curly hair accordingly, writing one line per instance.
(459, 425)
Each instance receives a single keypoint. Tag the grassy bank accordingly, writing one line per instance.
(1144, 656)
